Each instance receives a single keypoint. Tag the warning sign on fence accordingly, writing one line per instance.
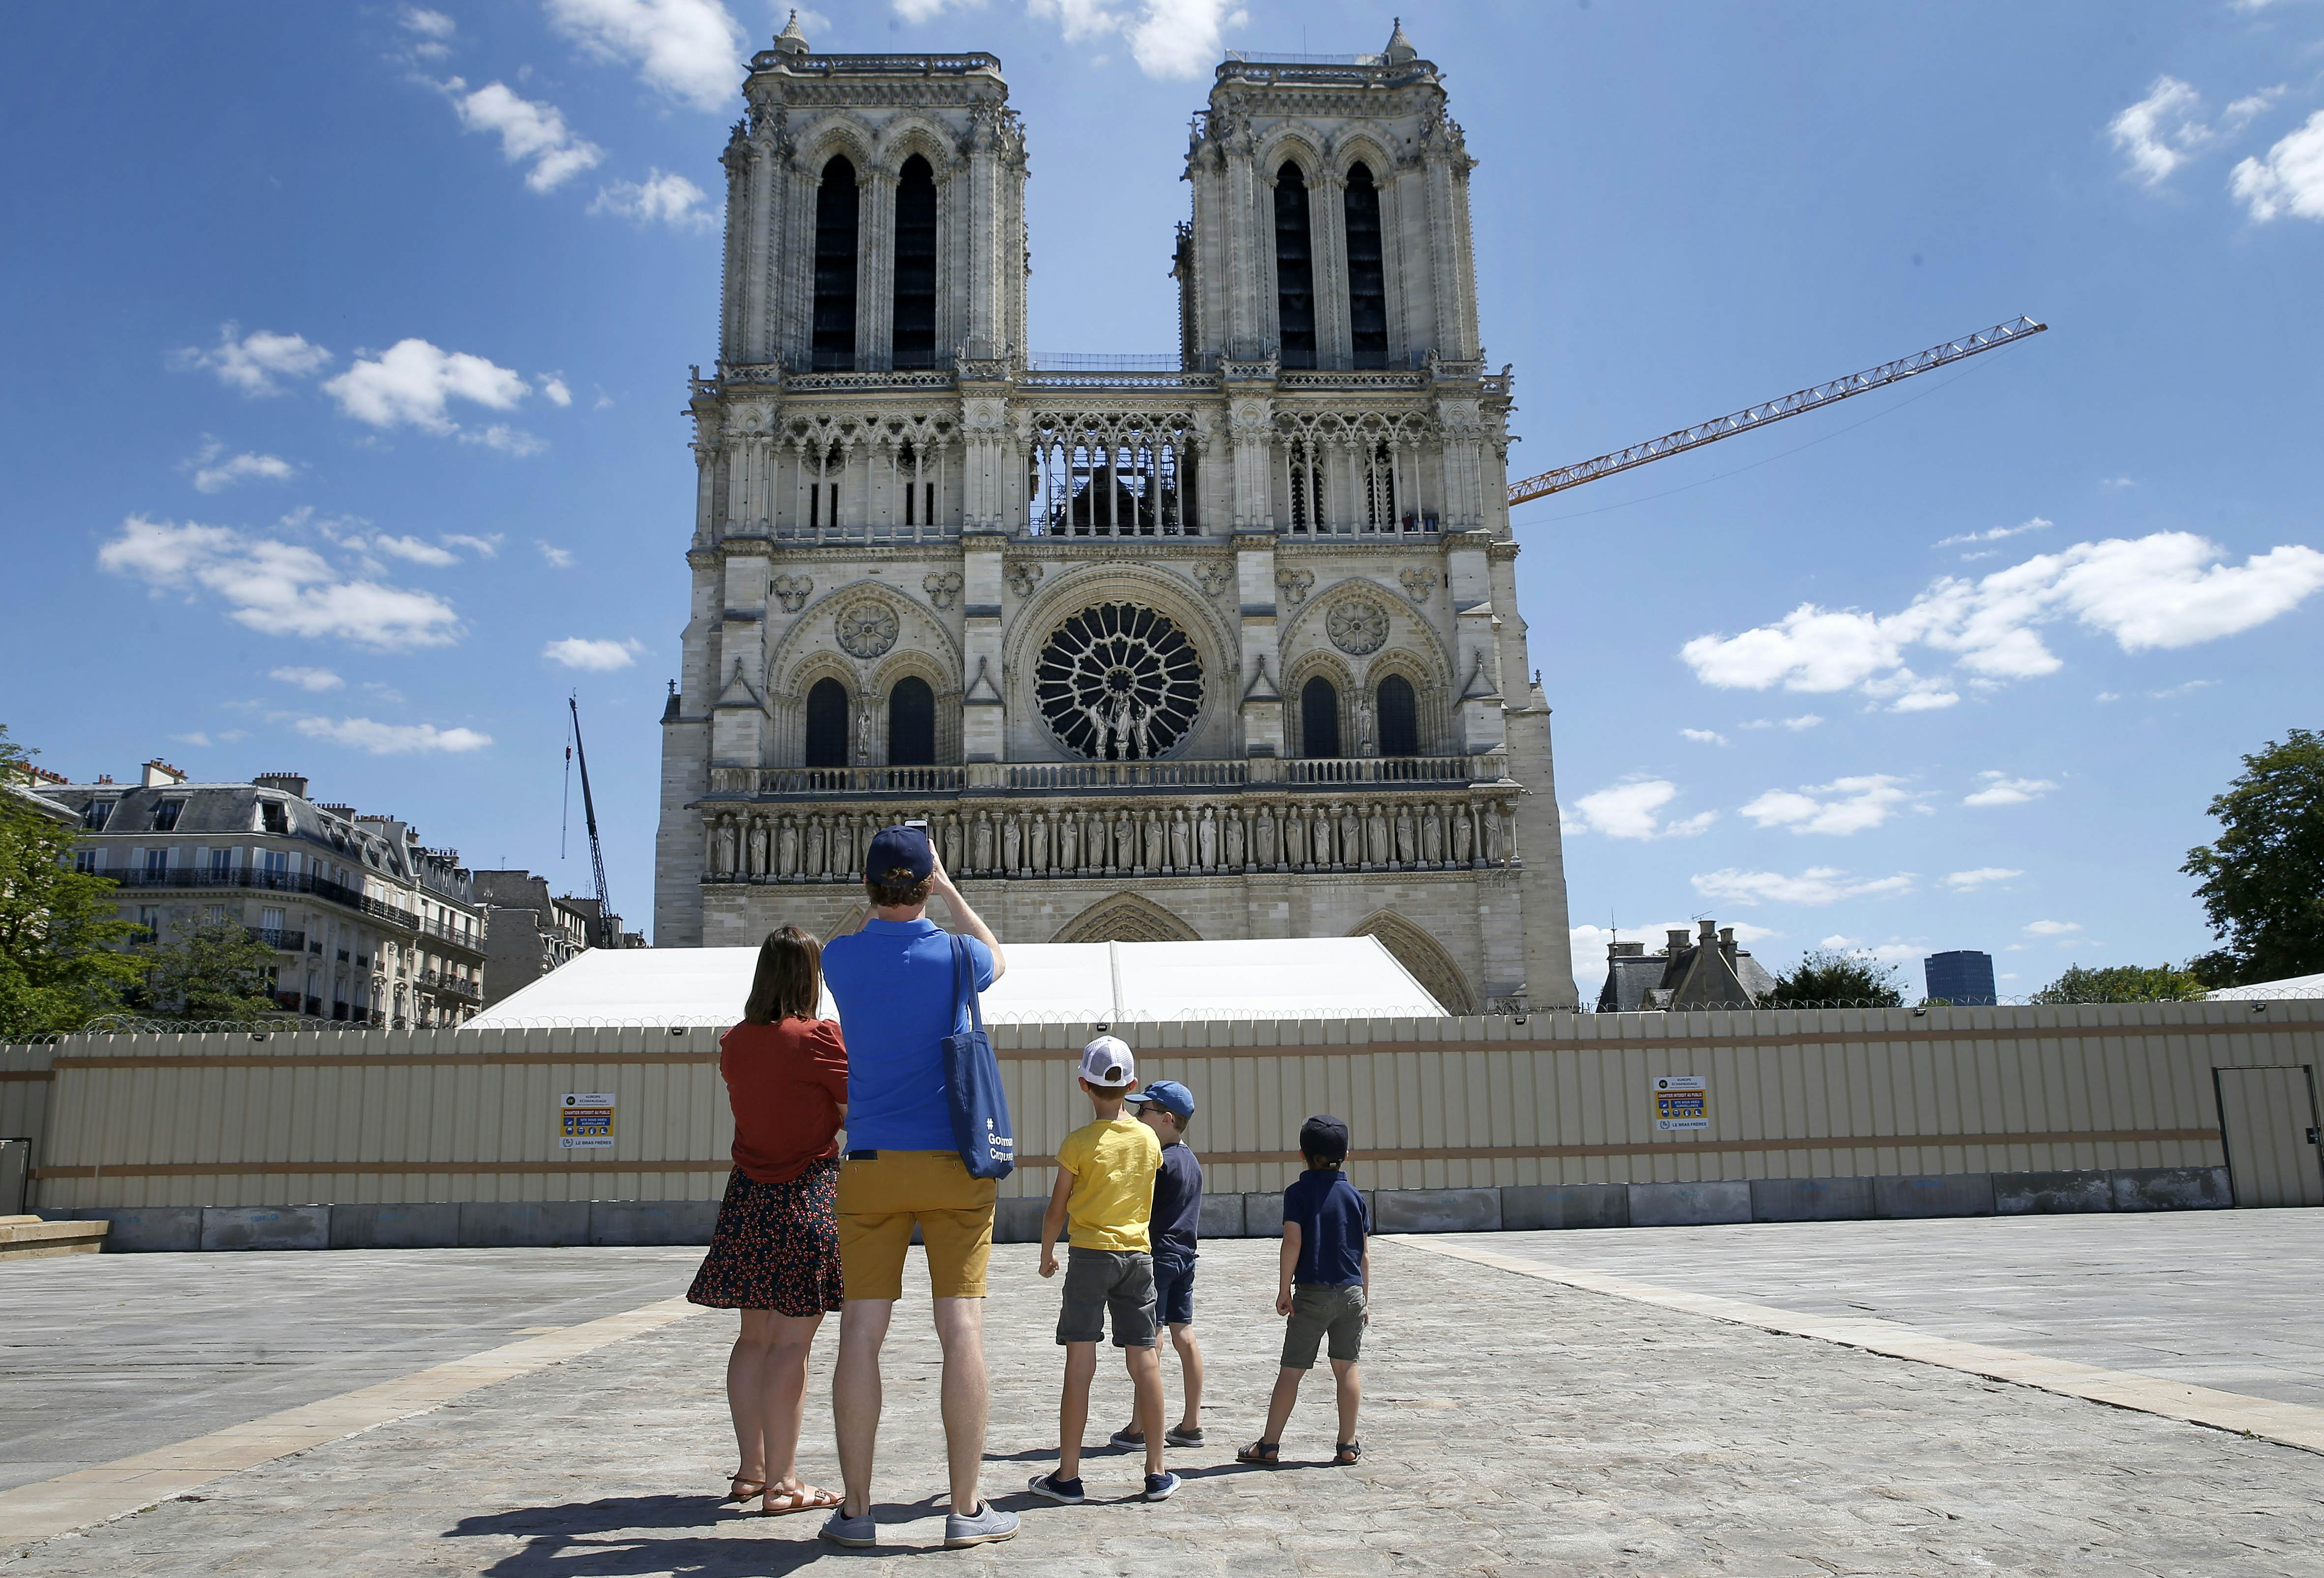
(1681, 1102)
(585, 1122)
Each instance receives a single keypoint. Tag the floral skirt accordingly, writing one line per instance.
(776, 1246)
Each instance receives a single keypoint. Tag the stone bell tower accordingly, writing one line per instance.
(1218, 643)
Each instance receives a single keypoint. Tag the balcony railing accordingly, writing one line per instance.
(808, 783)
(1384, 769)
(265, 880)
(836, 780)
(279, 940)
(1106, 775)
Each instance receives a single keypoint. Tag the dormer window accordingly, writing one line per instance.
(94, 815)
(274, 816)
(165, 815)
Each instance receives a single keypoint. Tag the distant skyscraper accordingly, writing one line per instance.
(1964, 975)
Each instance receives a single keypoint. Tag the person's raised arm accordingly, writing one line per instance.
(962, 917)
(1285, 1265)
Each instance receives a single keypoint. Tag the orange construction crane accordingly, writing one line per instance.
(1773, 411)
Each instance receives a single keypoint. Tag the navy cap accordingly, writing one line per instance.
(1324, 1135)
(1168, 1095)
(898, 848)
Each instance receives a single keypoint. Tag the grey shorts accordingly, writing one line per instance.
(1317, 1309)
(1099, 1281)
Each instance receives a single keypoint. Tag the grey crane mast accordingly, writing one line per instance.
(606, 935)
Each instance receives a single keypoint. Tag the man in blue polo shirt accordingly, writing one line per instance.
(894, 983)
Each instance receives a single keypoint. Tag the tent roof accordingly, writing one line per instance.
(2290, 986)
(1290, 978)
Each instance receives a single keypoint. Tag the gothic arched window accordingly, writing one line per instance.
(834, 268)
(915, 266)
(1399, 717)
(1366, 276)
(827, 723)
(1295, 269)
(1319, 718)
(911, 724)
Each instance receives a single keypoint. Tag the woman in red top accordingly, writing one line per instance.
(775, 1253)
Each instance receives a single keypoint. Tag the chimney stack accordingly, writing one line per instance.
(1674, 941)
(160, 774)
(1727, 940)
(289, 783)
(1710, 937)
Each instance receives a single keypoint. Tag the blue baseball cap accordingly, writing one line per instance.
(1168, 1095)
(896, 849)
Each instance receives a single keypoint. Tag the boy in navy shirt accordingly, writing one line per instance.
(1326, 1274)
(1166, 1107)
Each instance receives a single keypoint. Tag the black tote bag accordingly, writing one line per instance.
(980, 1108)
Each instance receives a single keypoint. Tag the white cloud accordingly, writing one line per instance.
(554, 387)
(431, 32)
(1633, 810)
(2163, 591)
(2250, 107)
(557, 557)
(279, 588)
(530, 133)
(315, 680)
(213, 474)
(1166, 38)
(482, 546)
(411, 381)
(1854, 805)
(1804, 721)
(690, 50)
(2000, 789)
(2160, 133)
(2052, 928)
(1704, 736)
(1996, 534)
(2117, 482)
(391, 739)
(252, 363)
(661, 198)
(507, 439)
(595, 655)
(2108, 696)
(1815, 885)
(1970, 880)
(411, 548)
(2289, 181)
(2187, 688)
(196, 738)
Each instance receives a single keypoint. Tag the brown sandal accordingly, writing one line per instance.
(734, 1493)
(805, 1499)
(1266, 1453)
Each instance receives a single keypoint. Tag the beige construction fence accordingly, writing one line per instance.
(384, 1117)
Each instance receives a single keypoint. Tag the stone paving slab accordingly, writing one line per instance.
(103, 1357)
(1512, 1427)
(2215, 1298)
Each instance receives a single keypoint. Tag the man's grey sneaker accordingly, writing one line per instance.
(1130, 1436)
(1179, 1436)
(855, 1533)
(986, 1525)
(1068, 1491)
(1161, 1486)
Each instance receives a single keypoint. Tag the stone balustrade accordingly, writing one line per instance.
(1471, 827)
(727, 783)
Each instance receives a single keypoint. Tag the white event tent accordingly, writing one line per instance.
(1288, 978)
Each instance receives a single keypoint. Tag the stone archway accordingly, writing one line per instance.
(1125, 917)
(1422, 955)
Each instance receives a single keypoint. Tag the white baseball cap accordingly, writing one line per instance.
(1108, 1062)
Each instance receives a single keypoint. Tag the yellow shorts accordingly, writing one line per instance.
(881, 1197)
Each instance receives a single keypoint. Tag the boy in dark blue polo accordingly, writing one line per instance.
(1326, 1274)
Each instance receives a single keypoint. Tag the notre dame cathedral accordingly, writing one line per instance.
(1219, 643)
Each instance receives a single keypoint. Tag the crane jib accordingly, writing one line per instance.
(1772, 411)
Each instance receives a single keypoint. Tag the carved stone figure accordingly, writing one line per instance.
(1182, 847)
(1206, 840)
(1069, 842)
(1350, 839)
(1407, 836)
(758, 846)
(1036, 854)
(1234, 839)
(1125, 840)
(1493, 852)
(725, 847)
(1264, 855)
(1378, 851)
(819, 848)
(1431, 837)
(979, 844)
(1012, 846)
(787, 848)
(1156, 852)
(1461, 845)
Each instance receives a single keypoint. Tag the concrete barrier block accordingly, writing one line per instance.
(418, 1225)
(1933, 1195)
(2169, 1189)
(1262, 1216)
(1689, 1205)
(2043, 1194)
(1221, 1216)
(1436, 1211)
(1811, 1199)
(1018, 1219)
(139, 1230)
(266, 1227)
(635, 1223)
(523, 1224)
(1538, 1207)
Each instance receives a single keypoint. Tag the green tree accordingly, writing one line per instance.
(1823, 977)
(211, 968)
(59, 930)
(2263, 878)
(2123, 984)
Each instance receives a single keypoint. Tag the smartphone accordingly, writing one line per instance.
(916, 821)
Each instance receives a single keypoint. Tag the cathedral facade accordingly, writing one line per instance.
(1219, 644)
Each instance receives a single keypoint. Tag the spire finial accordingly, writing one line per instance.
(792, 41)
(1399, 47)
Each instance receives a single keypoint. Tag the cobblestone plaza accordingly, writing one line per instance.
(1514, 1423)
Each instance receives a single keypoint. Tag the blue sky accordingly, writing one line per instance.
(346, 348)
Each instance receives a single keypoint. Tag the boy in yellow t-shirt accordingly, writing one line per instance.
(1105, 1186)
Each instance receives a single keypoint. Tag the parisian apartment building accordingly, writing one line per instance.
(368, 925)
(531, 931)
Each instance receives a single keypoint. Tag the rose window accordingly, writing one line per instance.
(1118, 681)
